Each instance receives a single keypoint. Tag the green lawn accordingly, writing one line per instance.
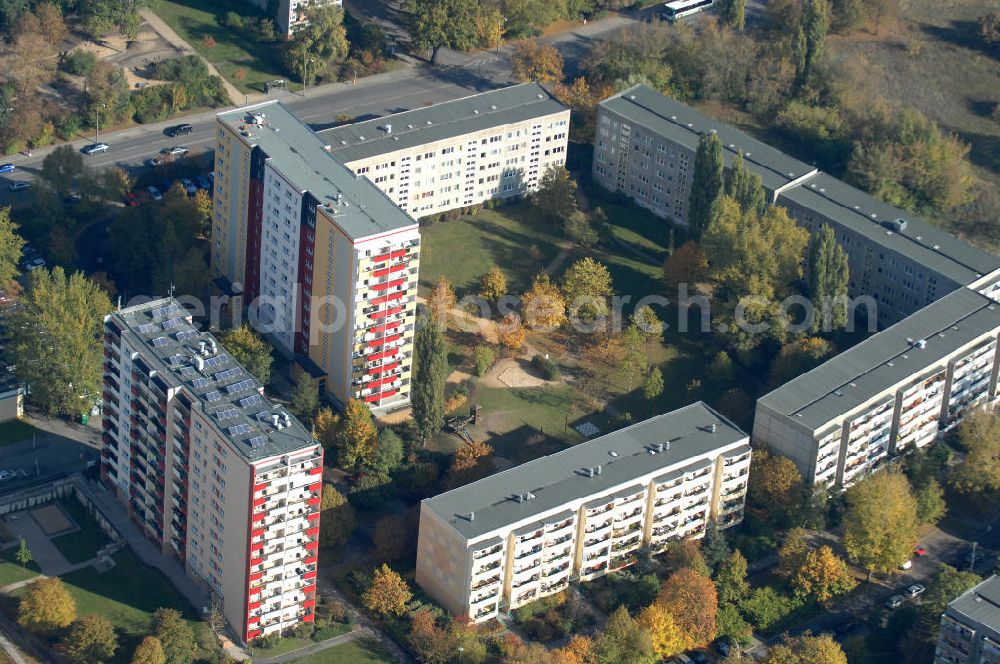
(353, 652)
(15, 431)
(81, 545)
(194, 20)
(290, 643)
(11, 570)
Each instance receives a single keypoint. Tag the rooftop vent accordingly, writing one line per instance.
(690, 125)
(712, 427)
(838, 393)
(199, 363)
(731, 146)
(597, 470)
(613, 453)
(493, 107)
(822, 189)
(662, 447)
(475, 111)
(429, 122)
(632, 97)
(898, 225)
(541, 96)
(472, 516)
(673, 117)
(712, 131)
(361, 138)
(921, 343)
(746, 155)
(409, 126)
(387, 129)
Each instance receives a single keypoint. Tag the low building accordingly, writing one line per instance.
(892, 393)
(11, 397)
(489, 146)
(521, 534)
(970, 627)
(210, 470)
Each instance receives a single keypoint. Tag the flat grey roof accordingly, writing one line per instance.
(921, 242)
(888, 358)
(302, 156)
(421, 126)
(561, 478)
(221, 388)
(682, 124)
(980, 604)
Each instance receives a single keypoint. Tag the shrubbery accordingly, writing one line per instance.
(79, 62)
(483, 357)
(548, 368)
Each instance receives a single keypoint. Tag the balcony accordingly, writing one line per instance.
(486, 582)
(597, 528)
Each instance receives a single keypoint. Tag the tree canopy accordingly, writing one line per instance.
(10, 248)
(90, 640)
(430, 371)
(435, 24)
(979, 433)
(47, 607)
(388, 592)
(706, 183)
(880, 526)
(248, 348)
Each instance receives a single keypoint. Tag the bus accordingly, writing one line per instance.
(680, 8)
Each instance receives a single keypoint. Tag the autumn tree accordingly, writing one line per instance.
(624, 641)
(685, 553)
(663, 630)
(733, 13)
(652, 386)
(692, 600)
(47, 607)
(493, 284)
(150, 651)
(511, 333)
(90, 640)
(586, 287)
(686, 265)
(336, 516)
(931, 506)
(555, 197)
(388, 592)
(799, 356)
(775, 488)
(356, 437)
(430, 371)
(979, 433)
(54, 351)
(578, 650)
(822, 575)
(441, 301)
(318, 42)
(792, 553)
(325, 426)
(436, 24)
(11, 245)
(880, 525)
(828, 275)
(248, 348)
(807, 649)
(470, 462)
(533, 62)
(731, 579)
(542, 306)
(175, 634)
(706, 183)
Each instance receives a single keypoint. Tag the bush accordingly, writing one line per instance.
(68, 126)
(233, 20)
(483, 357)
(267, 641)
(543, 605)
(334, 611)
(324, 633)
(766, 607)
(548, 368)
(79, 62)
(304, 630)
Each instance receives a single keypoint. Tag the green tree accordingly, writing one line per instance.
(249, 349)
(586, 287)
(555, 198)
(635, 360)
(947, 584)
(652, 387)
(793, 551)
(150, 651)
(624, 641)
(23, 554)
(305, 398)
(355, 437)
(930, 502)
(880, 526)
(979, 433)
(90, 640)
(61, 168)
(321, 41)
(714, 547)
(389, 452)
(847, 15)
(430, 371)
(815, 24)
(721, 370)
(799, 356)
(47, 607)
(336, 517)
(733, 13)
(53, 347)
(706, 183)
(10, 248)
(828, 278)
(731, 579)
(175, 635)
(442, 23)
(745, 187)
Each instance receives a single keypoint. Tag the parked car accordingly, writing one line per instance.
(154, 193)
(20, 185)
(94, 148)
(6, 475)
(189, 186)
(920, 552)
(894, 602)
(7, 168)
(180, 130)
(907, 565)
(153, 163)
(131, 200)
(914, 590)
(35, 264)
(175, 151)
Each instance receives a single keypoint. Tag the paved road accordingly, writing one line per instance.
(60, 449)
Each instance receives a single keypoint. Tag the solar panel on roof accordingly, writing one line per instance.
(263, 415)
(227, 413)
(241, 386)
(187, 371)
(200, 382)
(228, 374)
(159, 342)
(217, 360)
(172, 323)
(146, 328)
(163, 312)
(213, 396)
(257, 441)
(239, 429)
(186, 334)
(251, 400)
(176, 360)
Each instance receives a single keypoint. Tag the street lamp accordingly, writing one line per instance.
(460, 651)
(305, 72)
(97, 112)
(500, 21)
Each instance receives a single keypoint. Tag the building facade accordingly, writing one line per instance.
(489, 146)
(325, 261)
(522, 534)
(291, 14)
(970, 627)
(645, 147)
(892, 393)
(210, 470)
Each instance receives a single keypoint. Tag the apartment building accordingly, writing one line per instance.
(645, 147)
(289, 15)
(493, 145)
(325, 261)
(211, 470)
(522, 534)
(891, 393)
(970, 627)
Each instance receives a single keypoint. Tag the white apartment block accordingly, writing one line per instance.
(522, 534)
(892, 393)
(493, 145)
(211, 471)
(645, 148)
(970, 627)
(291, 14)
(326, 262)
